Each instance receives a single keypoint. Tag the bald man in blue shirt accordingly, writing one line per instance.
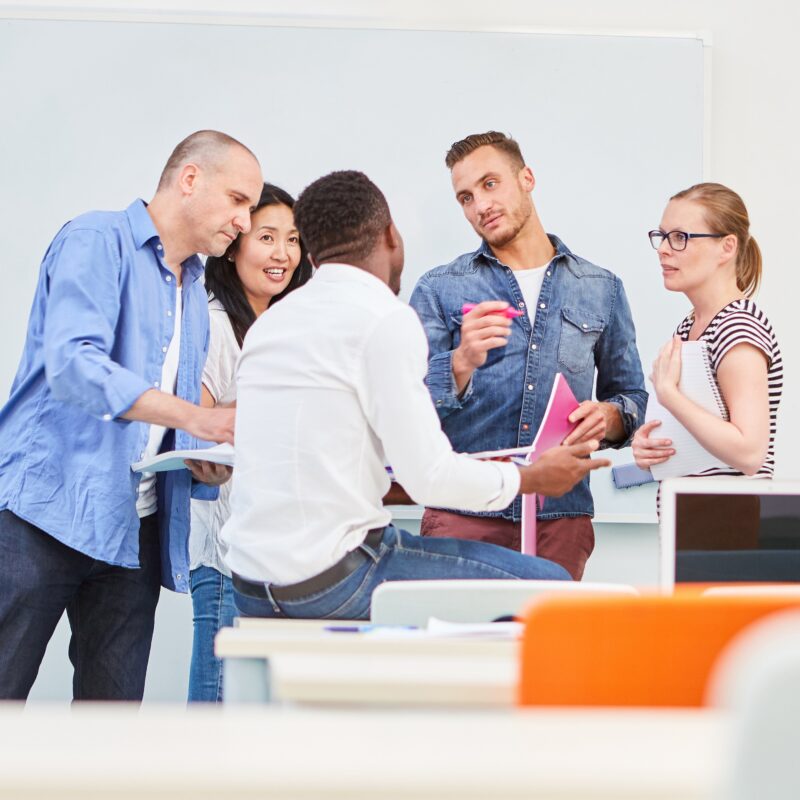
(115, 348)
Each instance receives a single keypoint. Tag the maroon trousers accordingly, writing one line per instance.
(568, 541)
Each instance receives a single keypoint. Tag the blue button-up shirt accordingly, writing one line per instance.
(101, 322)
(583, 323)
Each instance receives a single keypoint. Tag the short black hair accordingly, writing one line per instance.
(341, 216)
(222, 280)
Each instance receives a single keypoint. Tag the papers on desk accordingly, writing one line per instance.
(436, 629)
(174, 459)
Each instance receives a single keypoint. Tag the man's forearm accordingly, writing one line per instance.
(160, 408)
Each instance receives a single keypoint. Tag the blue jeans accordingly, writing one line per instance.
(402, 556)
(111, 611)
(212, 601)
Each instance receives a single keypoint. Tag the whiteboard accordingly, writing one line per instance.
(611, 126)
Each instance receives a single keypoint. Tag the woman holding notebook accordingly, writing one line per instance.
(258, 269)
(706, 251)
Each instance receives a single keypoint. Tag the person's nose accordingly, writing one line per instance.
(279, 252)
(242, 222)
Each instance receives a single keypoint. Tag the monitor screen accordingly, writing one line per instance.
(737, 537)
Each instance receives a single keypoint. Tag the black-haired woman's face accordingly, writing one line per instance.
(268, 255)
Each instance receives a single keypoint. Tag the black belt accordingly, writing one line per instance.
(345, 566)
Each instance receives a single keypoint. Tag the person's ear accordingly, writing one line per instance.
(730, 247)
(187, 178)
(527, 179)
(393, 239)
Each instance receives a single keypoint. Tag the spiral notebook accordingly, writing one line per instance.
(698, 384)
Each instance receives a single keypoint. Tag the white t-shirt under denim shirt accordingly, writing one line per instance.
(530, 283)
(330, 388)
(146, 501)
(219, 373)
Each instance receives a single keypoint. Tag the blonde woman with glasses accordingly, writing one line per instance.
(706, 251)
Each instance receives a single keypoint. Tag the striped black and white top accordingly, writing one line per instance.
(743, 322)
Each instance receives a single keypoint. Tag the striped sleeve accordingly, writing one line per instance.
(742, 326)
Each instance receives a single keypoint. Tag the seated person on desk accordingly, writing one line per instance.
(330, 388)
(706, 251)
(490, 377)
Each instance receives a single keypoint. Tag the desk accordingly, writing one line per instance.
(298, 661)
(168, 753)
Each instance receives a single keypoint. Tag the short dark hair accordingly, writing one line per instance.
(469, 144)
(207, 148)
(341, 216)
(222, 279)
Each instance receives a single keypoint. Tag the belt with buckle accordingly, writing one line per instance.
(345, 566)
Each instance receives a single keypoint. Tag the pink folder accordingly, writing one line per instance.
(554, 429)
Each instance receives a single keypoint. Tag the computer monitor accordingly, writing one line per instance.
(729, 529)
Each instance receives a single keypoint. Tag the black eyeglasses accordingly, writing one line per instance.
(679, 239)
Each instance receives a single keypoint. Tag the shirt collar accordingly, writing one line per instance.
(141, 223)
(144, 231)
(485, 252)
(331, 272)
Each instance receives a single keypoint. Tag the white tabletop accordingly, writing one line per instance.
(117, 753)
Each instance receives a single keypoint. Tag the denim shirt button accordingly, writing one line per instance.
(168, 278)
(542, 305)
(521, 304)
(548, 273)
(530, 387)
(533, 347)
(525, 426)
(584, 325)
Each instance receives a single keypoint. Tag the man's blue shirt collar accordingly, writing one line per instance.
(144, 230)
(485, 251)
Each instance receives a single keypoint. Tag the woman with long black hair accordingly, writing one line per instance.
(258, 269)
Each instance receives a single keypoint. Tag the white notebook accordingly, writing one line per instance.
(698, 384)
(164, 462)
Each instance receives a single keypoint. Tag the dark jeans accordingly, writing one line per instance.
(111, 612)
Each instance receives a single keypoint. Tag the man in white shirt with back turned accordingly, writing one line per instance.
(331, 388)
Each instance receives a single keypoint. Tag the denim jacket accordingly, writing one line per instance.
(583, 323)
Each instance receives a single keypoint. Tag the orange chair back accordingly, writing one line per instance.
(630, 651)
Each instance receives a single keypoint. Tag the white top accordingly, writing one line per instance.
(208, 516)
(331, 388)
(530, 283)
(146, 502)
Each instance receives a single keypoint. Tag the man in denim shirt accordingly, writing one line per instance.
(117, 339)
(490, 375)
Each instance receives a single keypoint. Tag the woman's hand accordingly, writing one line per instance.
(647, 451)
(666, 373)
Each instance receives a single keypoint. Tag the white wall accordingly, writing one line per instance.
(754, 115)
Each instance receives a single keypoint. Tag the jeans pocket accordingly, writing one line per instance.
(580, 331)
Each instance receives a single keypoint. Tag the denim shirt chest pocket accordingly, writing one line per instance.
(580, 331)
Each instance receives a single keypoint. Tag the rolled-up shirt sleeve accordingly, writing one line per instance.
(399, 409)
(82, 313)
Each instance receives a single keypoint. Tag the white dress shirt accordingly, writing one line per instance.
(330, 388)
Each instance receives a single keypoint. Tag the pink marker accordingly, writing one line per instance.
(508, 313)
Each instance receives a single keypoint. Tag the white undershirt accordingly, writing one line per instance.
(530, 284)
(146, 502)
